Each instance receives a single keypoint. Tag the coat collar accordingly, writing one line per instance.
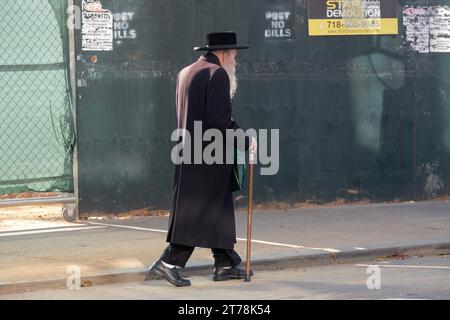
(210, 57)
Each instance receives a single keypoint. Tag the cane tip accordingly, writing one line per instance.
(247, 278)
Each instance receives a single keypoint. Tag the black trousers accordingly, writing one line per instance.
(178, 255)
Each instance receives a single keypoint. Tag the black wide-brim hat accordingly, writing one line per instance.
(221, 41)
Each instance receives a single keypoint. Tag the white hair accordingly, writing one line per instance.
(230, 68)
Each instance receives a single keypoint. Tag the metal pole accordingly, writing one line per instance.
(249, 218)
(73, 86)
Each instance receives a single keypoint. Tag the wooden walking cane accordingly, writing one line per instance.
(249, 218)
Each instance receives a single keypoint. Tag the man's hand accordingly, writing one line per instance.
(253, 145)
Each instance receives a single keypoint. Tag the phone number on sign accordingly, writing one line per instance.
(354, 25)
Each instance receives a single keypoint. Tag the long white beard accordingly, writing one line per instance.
(231, 71)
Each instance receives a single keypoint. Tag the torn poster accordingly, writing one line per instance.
(427, 28)
(97, 27)
(440, 30)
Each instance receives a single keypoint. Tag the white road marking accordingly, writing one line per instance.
(20, 233)
(240, 239)
(290, 245)
(402, 266)
(127, 227)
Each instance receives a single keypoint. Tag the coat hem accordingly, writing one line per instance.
(197, 244)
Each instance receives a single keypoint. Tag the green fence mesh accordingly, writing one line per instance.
(36, 123)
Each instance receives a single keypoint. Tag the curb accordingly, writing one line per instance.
(266, 264)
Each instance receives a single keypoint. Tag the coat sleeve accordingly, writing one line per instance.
(218, 104)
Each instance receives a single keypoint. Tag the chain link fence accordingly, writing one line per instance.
(36, 123)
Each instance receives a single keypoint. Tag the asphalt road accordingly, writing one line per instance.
(410, 278)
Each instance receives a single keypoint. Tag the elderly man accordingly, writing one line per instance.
(202, 211)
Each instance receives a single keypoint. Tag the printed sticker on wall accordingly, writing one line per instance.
(427, 28)
(96, 27)
(440, 29)
(352, 17)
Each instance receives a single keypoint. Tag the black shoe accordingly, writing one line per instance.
(222, 274)
(159, 270)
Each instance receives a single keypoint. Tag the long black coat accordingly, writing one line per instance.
(202, 211)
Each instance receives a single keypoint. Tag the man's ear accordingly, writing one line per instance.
(222, 56)
(219, 54)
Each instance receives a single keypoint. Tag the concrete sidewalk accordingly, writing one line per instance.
(120, 250)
